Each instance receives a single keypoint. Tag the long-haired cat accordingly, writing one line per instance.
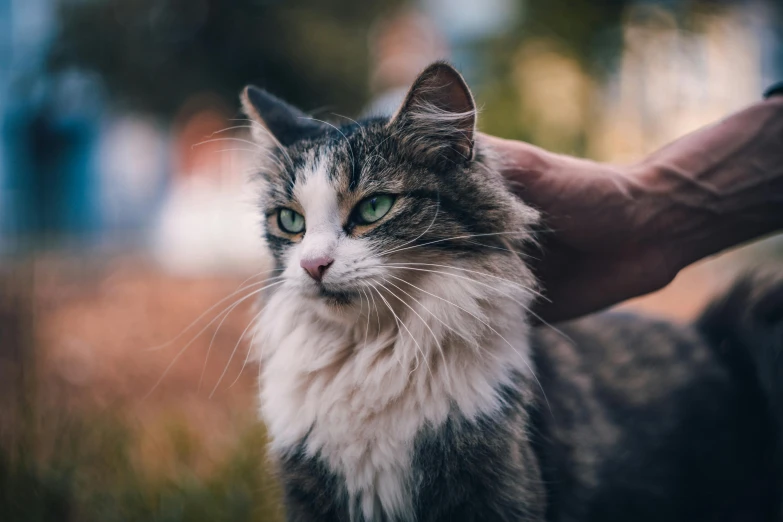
(400, 377)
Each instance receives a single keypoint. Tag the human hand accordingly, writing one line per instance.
(598, 247)
(613, 233)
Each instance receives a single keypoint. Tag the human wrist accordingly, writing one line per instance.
(717, 187)
(656, 218)
(518, 161)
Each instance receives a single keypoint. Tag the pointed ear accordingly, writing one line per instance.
(275, 120)
(438, 116)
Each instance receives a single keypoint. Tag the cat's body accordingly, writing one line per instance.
(651, 421)
(642, 421)
(401, 380)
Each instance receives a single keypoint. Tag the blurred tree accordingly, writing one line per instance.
(584, 31)
(589, 34)
(154, 54)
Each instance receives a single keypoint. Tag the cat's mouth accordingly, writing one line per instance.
(337, 297)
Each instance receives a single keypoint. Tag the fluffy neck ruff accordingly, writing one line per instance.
(356, 391)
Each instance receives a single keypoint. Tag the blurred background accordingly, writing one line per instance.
(126, 209)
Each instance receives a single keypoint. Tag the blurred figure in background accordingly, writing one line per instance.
(208, 222)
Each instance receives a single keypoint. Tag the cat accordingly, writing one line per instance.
(401, 378)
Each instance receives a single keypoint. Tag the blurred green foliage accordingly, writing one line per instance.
(154, 54)
(591, 35)
(89, 472)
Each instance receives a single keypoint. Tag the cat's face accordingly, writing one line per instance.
(383, 208)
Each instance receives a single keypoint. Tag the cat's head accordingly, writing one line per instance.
(409, 205)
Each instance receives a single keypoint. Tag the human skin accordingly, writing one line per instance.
(617, 232)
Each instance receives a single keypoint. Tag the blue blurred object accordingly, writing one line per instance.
(466, 23)
(774, 90)
(49, 129)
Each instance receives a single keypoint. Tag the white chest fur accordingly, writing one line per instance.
(360, 392)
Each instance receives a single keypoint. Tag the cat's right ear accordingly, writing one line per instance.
(438, 116)
(275, 121)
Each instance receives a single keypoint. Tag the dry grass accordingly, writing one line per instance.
(88, 441)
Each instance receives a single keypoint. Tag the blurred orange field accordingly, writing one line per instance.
(103, 379)
(102, 333)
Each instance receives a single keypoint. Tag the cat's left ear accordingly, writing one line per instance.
(276, 121)
(438, 116)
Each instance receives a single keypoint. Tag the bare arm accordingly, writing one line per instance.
(620, 232)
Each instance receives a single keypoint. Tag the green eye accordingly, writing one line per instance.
(290, 221)
(373, 208)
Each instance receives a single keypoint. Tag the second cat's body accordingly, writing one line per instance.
(651, 421)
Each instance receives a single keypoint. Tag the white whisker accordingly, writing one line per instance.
(184, 348)
(398, 322)
(437, 208)
(368, 158)
(247, 357)
(257, 126)
(230, 128)
(441, 272)
(434, 337)
(231, 357)
(446, 325)
(259, 274)
(418, 346)
(375, 306)
(212, 341)
(369, 311)
(353, 161)
(533, 373)
(213, 140)
(349, 119)
(519, 285)
(517, 252)
(370, 288)
(229, 296)
(394, 250)
(234, 150)
(525, 307)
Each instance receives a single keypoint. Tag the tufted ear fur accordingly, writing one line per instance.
(275, 120)
(438, 116)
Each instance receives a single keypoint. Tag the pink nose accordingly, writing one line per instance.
(317, 266)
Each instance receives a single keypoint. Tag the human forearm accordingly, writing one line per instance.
(717, 187)
(613, 233)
